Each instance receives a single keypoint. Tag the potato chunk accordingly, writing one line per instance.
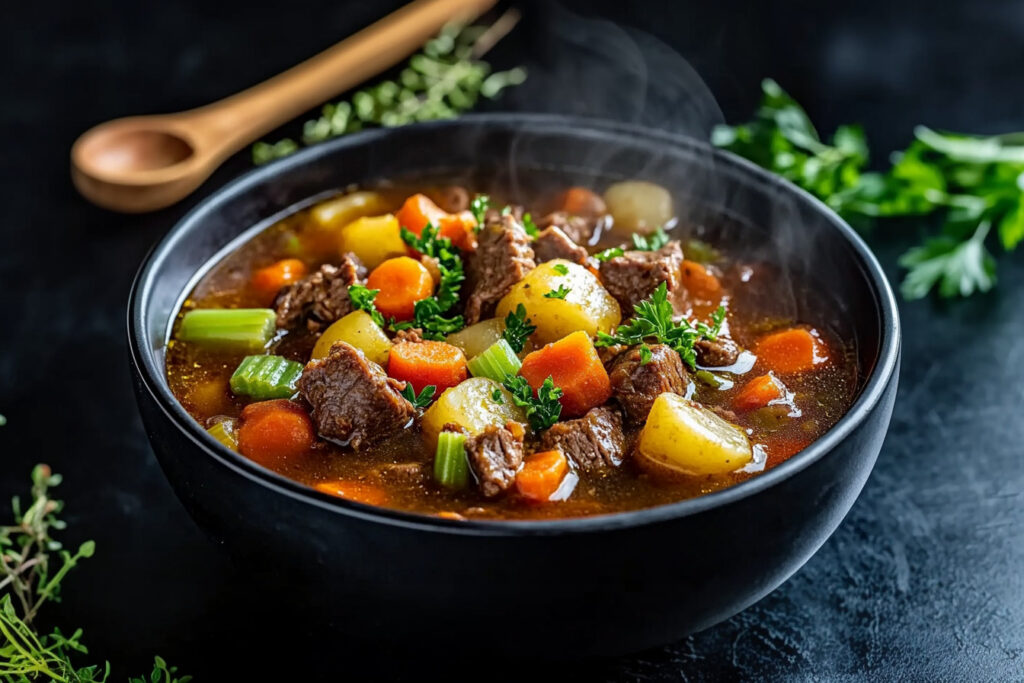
(358, 329)
(684, 437)
(476, 339)
(471, 404)
(374, 239)
(340, 211)
(638, 206)
(587, 306)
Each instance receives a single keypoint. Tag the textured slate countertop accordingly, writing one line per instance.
(924, 578)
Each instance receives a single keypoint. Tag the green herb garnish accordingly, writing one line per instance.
(518, 328)
(542, 410)
(561, 268)
(559, 293)
(973, 184)
(478, 207)
(442, 81)
(529, 226)
(653, 242)
(645, 354)
(652, 321)
(423, 399)
(609, 253)
(362, 299)
(496, 396)
(428, 314)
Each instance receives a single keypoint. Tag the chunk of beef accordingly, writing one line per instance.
(594, 442)
(494, 215)
(453, 198)
(495, 455)
(578, 228)
(718, 353)
(632, 277)
(502, 258)
(319, 299)
(635, 385)
(353, 401)
(413, 334)
(552, 243)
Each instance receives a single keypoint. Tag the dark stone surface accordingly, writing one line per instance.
(923, 580)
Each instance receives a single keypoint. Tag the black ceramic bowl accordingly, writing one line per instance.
(624, 581)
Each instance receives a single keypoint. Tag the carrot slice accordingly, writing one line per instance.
(427, 362)
(574, 366)
(700, 283)
(419, 210)
(350, 489)
(269, 280)
(791, 351)
(274, 432)
(541, 475)
(579, 201)
(758, 392)
(402, 282)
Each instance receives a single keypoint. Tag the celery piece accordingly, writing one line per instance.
(263, 377)
(497, 362)
(224, 431)
(451, 468)
(230, 329)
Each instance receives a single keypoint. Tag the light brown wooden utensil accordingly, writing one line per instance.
(144, 163)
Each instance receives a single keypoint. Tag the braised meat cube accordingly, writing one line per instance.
(578, 228)
(595, 442)
(719, 353)
(636, 384)
(353, 401)
(502, 258)
(632, 277)
(553, 243)
(495, 456)
(320, 298)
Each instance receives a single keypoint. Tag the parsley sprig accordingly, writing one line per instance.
(421, 401)
(609, 253)
(559, 293)
(518, 328)
(529, 226)
(478, 207)
(428, 314)
(542, 410)
(653, 321)
(973, 185)
(653, 242)
(362, 299)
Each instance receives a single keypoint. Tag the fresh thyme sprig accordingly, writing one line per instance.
(445, 79)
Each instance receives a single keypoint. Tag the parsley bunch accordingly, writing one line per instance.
(518, 328)
(362, 299)
(428, 313)
(442, 81)
(652, 321)
(971, 184)
(542, 410)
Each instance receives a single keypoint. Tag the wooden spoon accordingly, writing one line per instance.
(144, 163)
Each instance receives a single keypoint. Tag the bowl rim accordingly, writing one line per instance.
(153, 377)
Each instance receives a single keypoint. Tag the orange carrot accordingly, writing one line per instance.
(402, 282)
(700, 283)
(541, 475)
(269, 280)
(574, 366)
(791, 351)
(427, 362)
(351, 489)
(579, 201)
(273, 432)
(758, 392)
(419, 209)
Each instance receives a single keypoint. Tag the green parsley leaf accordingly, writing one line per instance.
(542, 410)
(561, 268)
(529, 226)
(478, 207)
(362, 299)
(957, 268)
(652, 242)
(518, 328)
(423, 400)
(652, 321)
(428, 314)
(609, 254)
(645, 354)
(559, 293)
(496, 396)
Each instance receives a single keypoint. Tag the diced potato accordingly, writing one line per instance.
(588, 306)
(472, 405)
(683, 437)
(476, 339)
(358, 329)
(638, 206)
(374, 239)
(340, 211)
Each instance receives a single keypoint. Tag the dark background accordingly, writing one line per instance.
(923, 580)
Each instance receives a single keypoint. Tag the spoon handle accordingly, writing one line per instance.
(231, 123)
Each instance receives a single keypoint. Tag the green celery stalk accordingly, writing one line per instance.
(451, 469)
(497, 362)
(229, 329)
(265, 377)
